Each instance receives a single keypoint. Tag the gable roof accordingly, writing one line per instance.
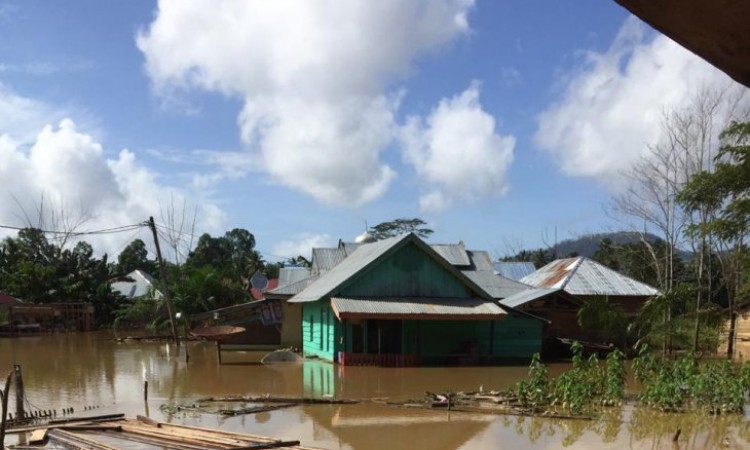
(367, 256)
(6, 299)
(515, 270)
(136, 284)
(289, 275)
(496, 285)
(583, 276)
(291, 289)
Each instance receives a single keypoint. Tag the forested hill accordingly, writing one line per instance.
(586, 245)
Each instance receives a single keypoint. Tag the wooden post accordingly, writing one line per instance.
(164, 285)
(4, 394)
(145, 391)
(218, 350)
(20, 395)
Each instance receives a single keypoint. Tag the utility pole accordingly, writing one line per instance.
(163, 276)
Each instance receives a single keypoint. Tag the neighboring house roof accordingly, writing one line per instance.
(136, 284)
(481, 261)
(325, 259)
(453, 253)
(521, 298)
(368, 255)
(583, 276)
(496, 285)
(415, 308)
(257, 294)
(515, 270)
(6, 299)
(289, 275)
(291, 289)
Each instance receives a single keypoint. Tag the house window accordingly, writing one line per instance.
(322, 331)
(312, 325)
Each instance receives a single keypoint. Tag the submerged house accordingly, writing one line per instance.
(399, 302)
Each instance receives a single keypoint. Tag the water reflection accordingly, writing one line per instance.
(93, 370)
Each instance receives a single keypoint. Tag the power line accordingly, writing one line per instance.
(121, 229)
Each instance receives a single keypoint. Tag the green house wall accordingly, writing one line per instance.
(409, 272)
(321, 331)
(515, 338)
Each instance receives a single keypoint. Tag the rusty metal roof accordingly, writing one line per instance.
(583, 276)
(416, 307)
(515, 270)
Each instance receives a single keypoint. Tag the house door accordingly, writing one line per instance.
(384, 336)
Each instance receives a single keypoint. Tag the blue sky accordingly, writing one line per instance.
(497, 122)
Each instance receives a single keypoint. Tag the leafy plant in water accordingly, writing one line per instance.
(614, 381)
(535, 391)
(578, 387)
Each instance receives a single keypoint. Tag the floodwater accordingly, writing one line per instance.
(91, 371)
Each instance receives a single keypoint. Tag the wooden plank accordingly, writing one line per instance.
(77, 441)
(31, 428)
(182, 437)
(279, 444)
(148, 421)
(38, 437)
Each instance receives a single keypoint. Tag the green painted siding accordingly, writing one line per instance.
(517, 337)
(407, 273)
(435, 340)
(320, 331)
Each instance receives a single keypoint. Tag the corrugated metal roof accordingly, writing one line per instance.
(583, 276)
(453, 253)
(289, 275)
(416, 307)
(529, 295)
(363, 257)
(481, 261)
(515, 270)
(496, 285)
(139, 284)
(325, 259)
(293, 288)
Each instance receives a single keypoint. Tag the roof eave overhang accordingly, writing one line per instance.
(390, 316)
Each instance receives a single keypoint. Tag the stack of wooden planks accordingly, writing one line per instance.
(142, 432)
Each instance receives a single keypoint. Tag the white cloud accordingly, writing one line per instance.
(23, 117)
(314, 76)
(68, 170)
(302, 244)
(611, 109)
(458, 153)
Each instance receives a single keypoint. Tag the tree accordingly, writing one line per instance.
(725, 193)
(133, 257)
(397, 227)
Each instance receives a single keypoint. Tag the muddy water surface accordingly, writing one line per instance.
(92, 371)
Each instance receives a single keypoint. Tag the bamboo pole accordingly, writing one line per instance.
(4, 409)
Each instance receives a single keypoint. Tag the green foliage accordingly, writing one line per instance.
(397, 227)
(578, 387)
(135, 257)
(614, 379)
(535, 391)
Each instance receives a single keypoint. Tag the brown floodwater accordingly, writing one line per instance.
(92, 371)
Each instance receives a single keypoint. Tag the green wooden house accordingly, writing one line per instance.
(397, 302)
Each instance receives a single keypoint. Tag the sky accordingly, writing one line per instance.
(500, 123)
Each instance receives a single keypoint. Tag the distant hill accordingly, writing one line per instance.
(588, 245)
